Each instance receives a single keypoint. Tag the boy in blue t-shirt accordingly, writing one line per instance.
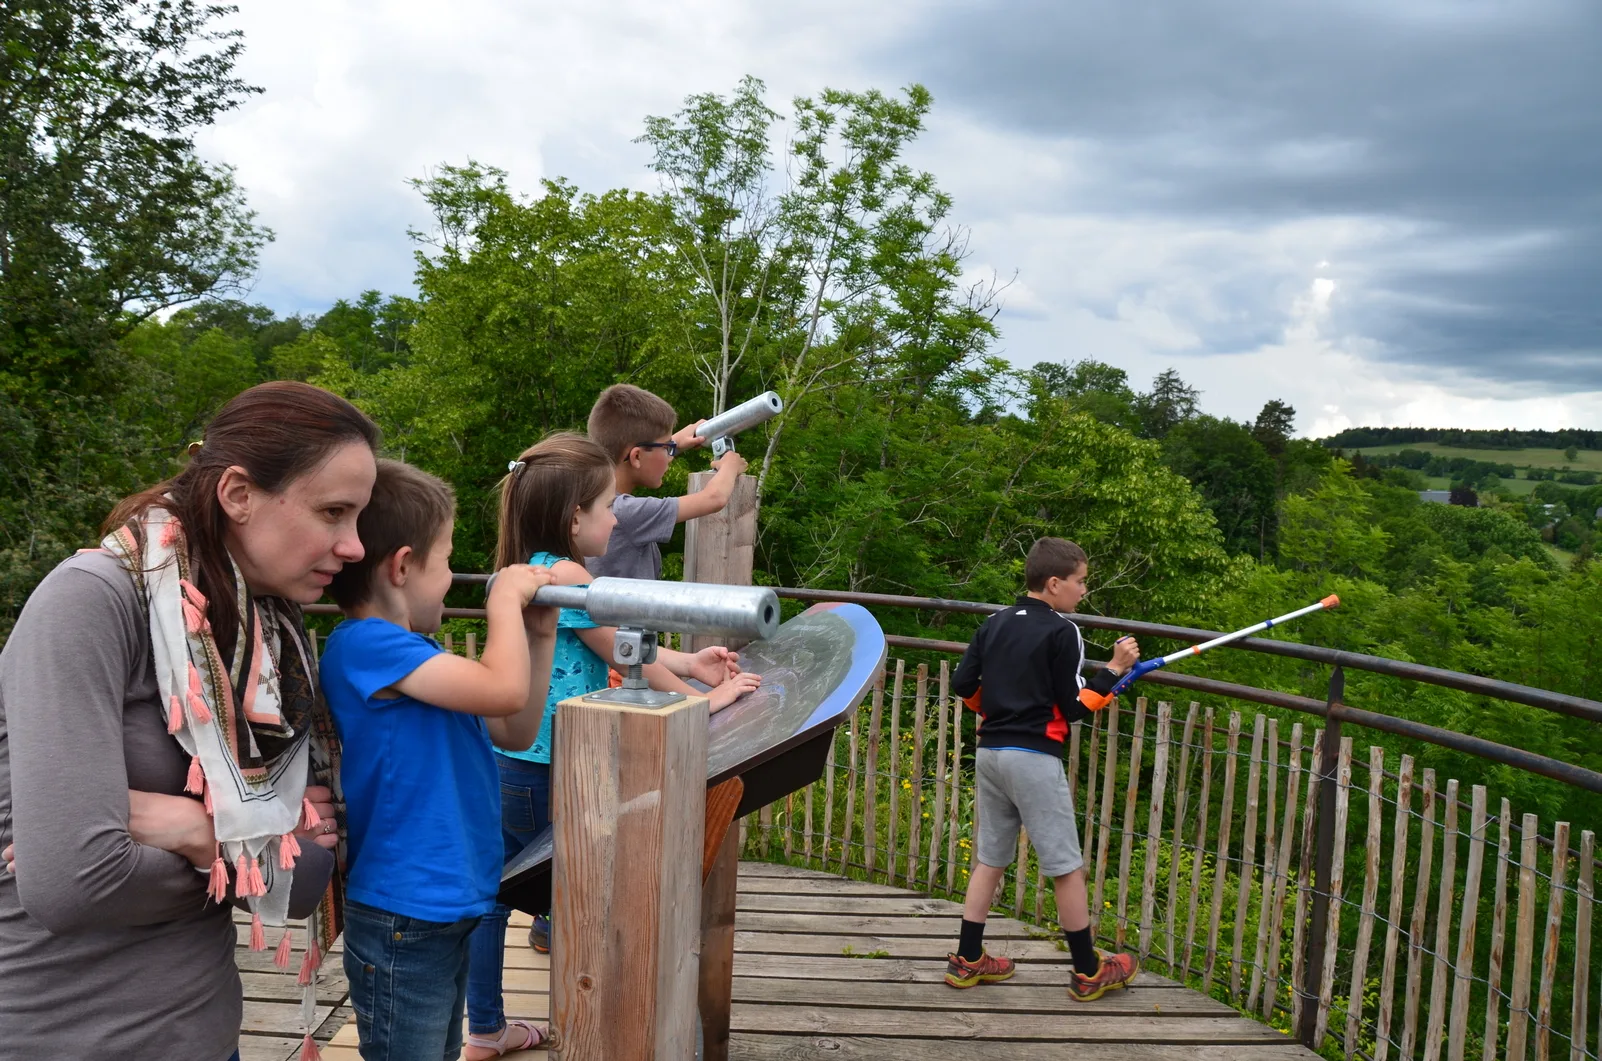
(421, 788)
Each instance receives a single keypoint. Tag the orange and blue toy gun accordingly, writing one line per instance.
(1146, 666)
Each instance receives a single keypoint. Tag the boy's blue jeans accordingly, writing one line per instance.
(525, 812)
(408, 979)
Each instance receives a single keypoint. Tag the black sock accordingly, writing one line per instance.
(972, 943)
(1086, 961)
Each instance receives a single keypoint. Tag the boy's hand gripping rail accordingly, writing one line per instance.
(722, 428)
(1146, 666)
(641, 608)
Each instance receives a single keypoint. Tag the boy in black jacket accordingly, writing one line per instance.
(1028, 658)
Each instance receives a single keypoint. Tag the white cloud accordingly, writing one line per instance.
(361, 97)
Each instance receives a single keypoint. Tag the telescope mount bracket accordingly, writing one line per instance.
(721, 445)
(632, 649)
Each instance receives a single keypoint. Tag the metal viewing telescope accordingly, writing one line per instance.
(642, 608)
(722, 428)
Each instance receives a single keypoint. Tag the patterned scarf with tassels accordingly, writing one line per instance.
(255, 727)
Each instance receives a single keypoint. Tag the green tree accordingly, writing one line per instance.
(107, 215)
(1169, 403)
(1234, 473)
(1273, 427)
(1092, 387)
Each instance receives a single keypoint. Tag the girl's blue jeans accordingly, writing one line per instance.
(525, 812)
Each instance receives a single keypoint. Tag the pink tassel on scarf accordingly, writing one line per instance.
(257, 885)
(258, 935)
(281, 956)
(209, 808)
(309, 964)
(217, 887)
(175, 715)
(309, 1051)
(196, 783)
(197, 696)
(247, 877)
(309, 818)
(194, 605)
(169, 534)
(288, 851)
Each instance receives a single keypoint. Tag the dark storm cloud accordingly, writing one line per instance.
(1474, 127)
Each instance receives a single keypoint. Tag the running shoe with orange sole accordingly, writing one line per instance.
(960, 972)
(1117, 971)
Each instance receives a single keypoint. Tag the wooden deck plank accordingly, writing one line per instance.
(978, 1024)
(854, 925)
(1172, 1003)
(747, 1046)
(848, 905)
(926, 947)
(806, 886)
(896, 970)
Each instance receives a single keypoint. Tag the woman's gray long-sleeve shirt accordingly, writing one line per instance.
(107, 946)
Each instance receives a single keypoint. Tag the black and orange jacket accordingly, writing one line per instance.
(1027, 658)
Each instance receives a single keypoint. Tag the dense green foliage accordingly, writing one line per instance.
(1468, 438)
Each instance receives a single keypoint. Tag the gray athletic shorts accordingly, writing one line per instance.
(1017, 787)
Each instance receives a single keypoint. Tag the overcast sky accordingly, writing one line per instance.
(1381, 211)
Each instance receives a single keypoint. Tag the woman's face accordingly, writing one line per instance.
(292, 543)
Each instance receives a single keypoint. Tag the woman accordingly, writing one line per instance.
(173, 659)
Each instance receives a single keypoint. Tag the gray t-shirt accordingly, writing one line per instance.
(633, 551)
(107, 947)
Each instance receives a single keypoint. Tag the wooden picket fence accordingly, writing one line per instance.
(1213, 821)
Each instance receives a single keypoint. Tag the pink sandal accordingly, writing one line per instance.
(535, 1037)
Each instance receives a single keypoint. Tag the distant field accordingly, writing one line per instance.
(1589, 460)
(1516, 487)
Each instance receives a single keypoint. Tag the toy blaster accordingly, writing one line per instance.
(1146, 666)
(722, 428)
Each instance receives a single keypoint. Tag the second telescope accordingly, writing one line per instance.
(683, 607)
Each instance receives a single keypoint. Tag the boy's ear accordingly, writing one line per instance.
(398, 565)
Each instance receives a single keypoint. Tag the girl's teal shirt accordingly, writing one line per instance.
(575, 670)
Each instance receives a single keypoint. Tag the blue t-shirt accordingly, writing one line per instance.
(422, 792)
(575, 670)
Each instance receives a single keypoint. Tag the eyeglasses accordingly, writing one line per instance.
(671, 447)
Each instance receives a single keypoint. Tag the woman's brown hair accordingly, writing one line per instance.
(276, 432)
(550, 482)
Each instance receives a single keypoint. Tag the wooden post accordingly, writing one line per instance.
(1226, 818)
(721, 547)
(629, 802)
(1579, 1026)
(1270, 861)
(1518, 1006)
(851, 793)
(1179, 827)
(1337, 876)
(1435, 1027)
(1287, 842)
(1137, 743)
(1104, 842)
(870, 782)
(1154, 829)
(1393, 920)
(915, 804)
(1328, 787)
(716, 985)
(1549, 949)
(1201, 843)
(1365, 928)
(890, 849)
(937, 819)
(1248, 854)
(1304, 883)
(1415, 931)
(1457, 1033)
(1493, 968)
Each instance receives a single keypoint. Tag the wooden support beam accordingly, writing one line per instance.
(629, 802)
(716, 985)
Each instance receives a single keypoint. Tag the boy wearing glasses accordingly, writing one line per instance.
(636, 428)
